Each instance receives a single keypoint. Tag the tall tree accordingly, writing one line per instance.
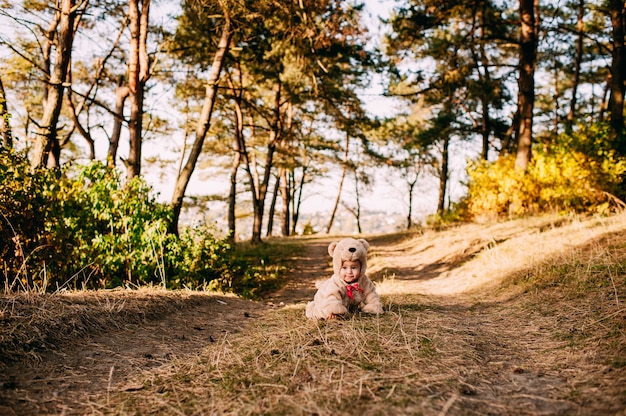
(578, 59)
(204, 121)
(275, 137)
(6, 136)
(272, 211)
(409, 155)
(464, 45)
(526, 81)
(81, 102)
(34, 39)
(239, 145)
(344, 171)
(321, 58)
(138, 73)
(296, 65)
(122, 92)
(355, 210)
(82, 97)
(285, 185)
(285, 194)
(59, 41)
(442, 125)
(617, 12)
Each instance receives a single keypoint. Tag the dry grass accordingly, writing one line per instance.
(34, 322)
(526, 317)
(548, 338)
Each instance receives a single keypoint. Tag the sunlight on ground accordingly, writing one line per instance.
(485, 259)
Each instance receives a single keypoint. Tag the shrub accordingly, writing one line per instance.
(256, 269)
(107, 232)
(578, 173)
(197, 258)
(84, 228)
(25, 208)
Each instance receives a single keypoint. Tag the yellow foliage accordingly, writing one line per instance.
(575, 175)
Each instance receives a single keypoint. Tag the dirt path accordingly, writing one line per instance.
(312, 265)
(66, 380)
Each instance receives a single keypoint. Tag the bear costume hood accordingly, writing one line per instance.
(349, 249)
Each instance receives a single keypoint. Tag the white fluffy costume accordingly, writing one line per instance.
(336, 297)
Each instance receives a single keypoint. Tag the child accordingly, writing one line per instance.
(348, 288)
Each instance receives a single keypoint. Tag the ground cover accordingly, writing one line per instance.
(524, 317)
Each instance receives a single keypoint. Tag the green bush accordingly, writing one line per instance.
(197, 258)
(256, 269)
(578, 173)
(85, 228)
(25, 209)
(111, 233)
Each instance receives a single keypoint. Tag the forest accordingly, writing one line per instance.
(271, 97)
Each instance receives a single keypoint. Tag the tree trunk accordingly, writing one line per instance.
(485, 128)
(526, 82)
(270, 214)
(557, 99)
(121, 94)
(82, 130)
(285, 183)
(411, 183)
(6, 136)
(343, 177)
(137, 77)
(47, 131)
(286, 196)
(232, 198)
(443, 175)
(296, 201)
(274, 140)
(409, 216)
(604, 99)
(357, 210)
(508, 144)
(239, 154)
(617, 10)
(87, 98)
(569, 122)
(203, 125)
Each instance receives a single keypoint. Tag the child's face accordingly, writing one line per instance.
(350, 271)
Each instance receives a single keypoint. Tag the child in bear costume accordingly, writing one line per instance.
(349, 287)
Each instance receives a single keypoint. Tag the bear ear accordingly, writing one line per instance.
(331, 248)
(365, 243)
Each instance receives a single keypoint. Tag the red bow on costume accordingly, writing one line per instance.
(350, 288)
